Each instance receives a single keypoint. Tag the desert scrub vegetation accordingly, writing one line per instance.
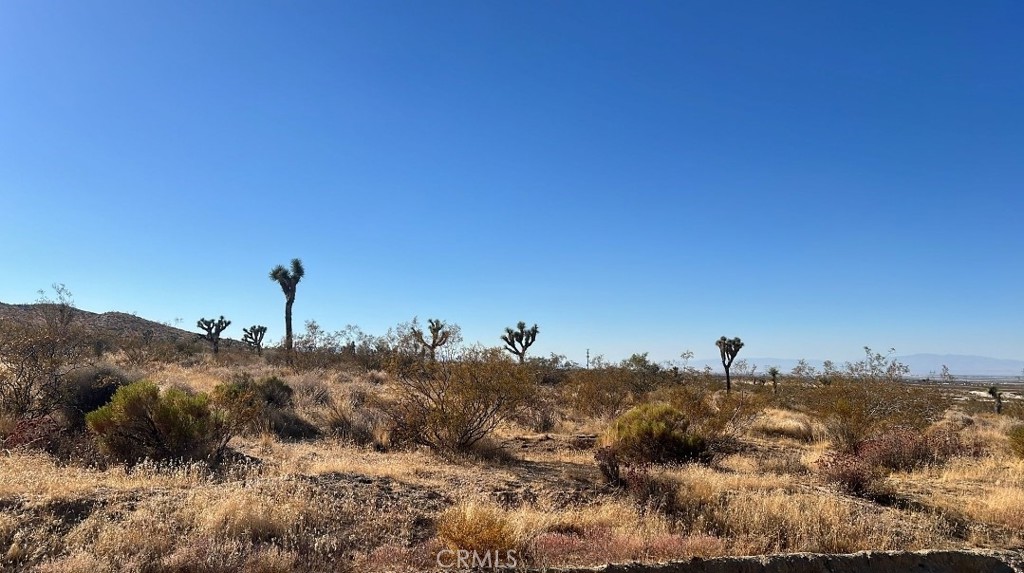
(265, 405)
(384, 474)
(779, 423)
(450, 405)
(856, 410)
(38, 357)
(142, 422)
(654, 433)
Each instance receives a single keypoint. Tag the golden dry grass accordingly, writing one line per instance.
(26, 473)
(326, 504)
(779, 423)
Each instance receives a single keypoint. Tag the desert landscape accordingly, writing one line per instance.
(642, 286)
(395, 452)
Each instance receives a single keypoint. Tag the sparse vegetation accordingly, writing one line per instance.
(36, 358)
(845, 459)
(856, 410)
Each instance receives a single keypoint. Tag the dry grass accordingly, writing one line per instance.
(36, 474)
(479, 527)
(1002, 506)
(259, 523)
(330, 505)
(776, 423)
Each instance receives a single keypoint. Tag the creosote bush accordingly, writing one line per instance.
(141, 422)
(655, 433)
(35, 360)
(261, 406)
(717, 416)
(856, 410)
(600, 392)
(449, 405)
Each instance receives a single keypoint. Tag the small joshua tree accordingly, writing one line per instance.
(253, 336)
(517, 341)
(998, 396)
(288, 281)
(774, 373)
(213, 328)
(440, 334)
(729, 347)
(946, 376)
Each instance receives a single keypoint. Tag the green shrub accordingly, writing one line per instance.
(1016, 435)
(140, 423)
(266, 405)
(655, 433)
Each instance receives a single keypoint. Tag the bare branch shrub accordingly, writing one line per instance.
(449, 405)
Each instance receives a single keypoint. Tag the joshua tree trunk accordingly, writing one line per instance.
(288, 323)
(728, 382)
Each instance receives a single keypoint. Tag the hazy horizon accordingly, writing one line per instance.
(631, 177)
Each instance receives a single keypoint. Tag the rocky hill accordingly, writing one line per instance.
(108, 325)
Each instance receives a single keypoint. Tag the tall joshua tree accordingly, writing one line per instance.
(440, 334)
(288, 279)
(213, 328)
(253, 336)
(729, 347)
(517, 341)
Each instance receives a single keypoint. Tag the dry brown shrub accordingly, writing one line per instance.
(855, 410)
(853, 474)
(599, 392)
(452, 404)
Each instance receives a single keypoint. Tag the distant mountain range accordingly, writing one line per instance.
(921, 365)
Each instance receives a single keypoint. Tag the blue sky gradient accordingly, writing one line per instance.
(632, 176)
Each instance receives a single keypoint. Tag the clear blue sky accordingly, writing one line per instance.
(632, 176)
